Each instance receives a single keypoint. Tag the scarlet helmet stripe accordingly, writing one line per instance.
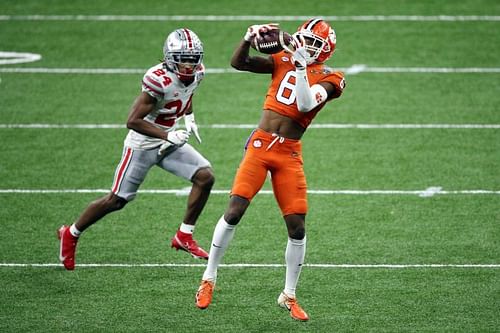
(181, 46)
(120, 171)
(188, 36)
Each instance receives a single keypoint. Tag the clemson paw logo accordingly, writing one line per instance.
(257, 143)
(319, 99)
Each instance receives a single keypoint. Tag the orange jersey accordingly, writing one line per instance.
(280, 96)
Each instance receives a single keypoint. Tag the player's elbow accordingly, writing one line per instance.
(131, 124)
(241, 62)
(237, 64)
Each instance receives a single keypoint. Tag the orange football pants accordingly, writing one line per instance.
(283, 159)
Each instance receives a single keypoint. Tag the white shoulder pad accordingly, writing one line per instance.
(156, 81)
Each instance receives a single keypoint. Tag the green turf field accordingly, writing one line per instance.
(421, 110)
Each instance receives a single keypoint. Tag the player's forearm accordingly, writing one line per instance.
(307, 97)
(146, 128)
(143, 105)
(303, 91)
(240, 56)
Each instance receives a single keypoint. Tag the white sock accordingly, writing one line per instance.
(223, 234)
(294, 258)
(186, 228)
(74, 231)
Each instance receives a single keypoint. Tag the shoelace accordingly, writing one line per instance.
(277, 138)
(205, 288)
(291, 302)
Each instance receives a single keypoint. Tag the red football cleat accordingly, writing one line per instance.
(185, 242)
(67, 247)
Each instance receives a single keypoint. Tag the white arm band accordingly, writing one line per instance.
(189, 119)
(308, 97)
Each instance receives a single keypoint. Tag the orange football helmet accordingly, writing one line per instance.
(320, 40)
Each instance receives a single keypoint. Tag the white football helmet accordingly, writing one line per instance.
(183, 52)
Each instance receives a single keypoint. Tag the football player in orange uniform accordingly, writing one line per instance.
(301, 86)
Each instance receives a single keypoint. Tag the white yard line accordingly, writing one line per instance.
(335, 266)
(361, 18)
(251, 126)
(353, 70)
(185, 191)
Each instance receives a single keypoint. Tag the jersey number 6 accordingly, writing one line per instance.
(286, 90)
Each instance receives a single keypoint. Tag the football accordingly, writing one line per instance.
(271, 41)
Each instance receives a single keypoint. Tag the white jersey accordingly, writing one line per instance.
(173, 98)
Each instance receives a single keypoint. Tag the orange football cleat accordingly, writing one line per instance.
(289, 303)
(204, 294)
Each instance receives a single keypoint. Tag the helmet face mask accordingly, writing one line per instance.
(320, 40)
(183, 52)
(185, 64)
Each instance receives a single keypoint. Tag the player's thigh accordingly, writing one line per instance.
(131, 172)
(290, 188)
(250, 176)
(184, 162)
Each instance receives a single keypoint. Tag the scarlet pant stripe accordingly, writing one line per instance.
(120, 171)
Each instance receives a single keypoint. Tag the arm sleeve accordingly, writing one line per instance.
(308, 97)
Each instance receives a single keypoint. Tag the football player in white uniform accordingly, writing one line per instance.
(153, 139)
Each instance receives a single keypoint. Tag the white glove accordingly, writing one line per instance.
(299, 57)
(298, 51)
(255, 30)
(175, 138)
(191, 126)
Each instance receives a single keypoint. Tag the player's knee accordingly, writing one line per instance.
(297, 233)
(204, 178)
(114, 202)
(120, 203)
(236, 209)
(232, 217)
(296, 226)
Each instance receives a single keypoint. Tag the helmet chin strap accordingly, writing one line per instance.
(182, 77)
(185, 78)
